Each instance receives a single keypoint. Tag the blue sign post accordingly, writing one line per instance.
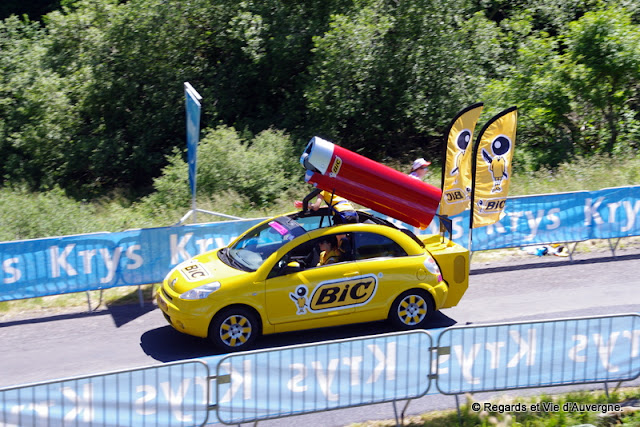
(192, 101)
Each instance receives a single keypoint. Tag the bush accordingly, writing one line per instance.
(258, 171)
(25, 215)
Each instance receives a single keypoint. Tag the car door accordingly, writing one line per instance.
(310, 295)
(381, 257)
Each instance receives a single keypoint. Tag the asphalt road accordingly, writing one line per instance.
(40, 346)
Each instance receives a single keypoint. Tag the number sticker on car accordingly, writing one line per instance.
(194, 272)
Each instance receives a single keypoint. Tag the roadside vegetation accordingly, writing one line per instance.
(232, 176)
(92, 120)
(92, 102)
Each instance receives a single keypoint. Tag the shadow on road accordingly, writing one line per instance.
(165, 344)
(121, 314)
(53, 318)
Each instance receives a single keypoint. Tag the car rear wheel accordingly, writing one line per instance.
(412, 309)
(234, 329)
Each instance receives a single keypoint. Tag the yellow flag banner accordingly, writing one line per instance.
(492, 156)
(456, 174)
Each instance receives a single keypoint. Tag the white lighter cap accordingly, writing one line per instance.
(317, 155)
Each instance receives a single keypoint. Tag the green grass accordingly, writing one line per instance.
(75, 302)
(629, 415)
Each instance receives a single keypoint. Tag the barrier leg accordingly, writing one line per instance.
(400, 420)
(572, 250)
(89, 300)
(613, 247)
(404, 410)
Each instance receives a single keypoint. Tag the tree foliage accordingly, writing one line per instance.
(258, 170)
(91, 93)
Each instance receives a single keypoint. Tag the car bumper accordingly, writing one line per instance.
(439, 294)
(189, 317)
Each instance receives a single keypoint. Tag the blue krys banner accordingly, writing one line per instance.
(318, 377)
(167, 395)
(538, 354)
(85, 262)
(554, 218)
(67, 264)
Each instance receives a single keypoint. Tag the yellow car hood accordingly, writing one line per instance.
(200, 270)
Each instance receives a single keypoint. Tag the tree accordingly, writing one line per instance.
(603, 65)
(388, 76)
(37, 117)
(576, 92)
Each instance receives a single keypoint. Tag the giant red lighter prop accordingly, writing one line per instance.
(369, 183)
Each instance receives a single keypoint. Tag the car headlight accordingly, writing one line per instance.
(201, 292)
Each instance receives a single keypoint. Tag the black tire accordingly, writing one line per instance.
(234, 329)
(411, 310)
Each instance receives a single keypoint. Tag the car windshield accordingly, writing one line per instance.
(250, 252)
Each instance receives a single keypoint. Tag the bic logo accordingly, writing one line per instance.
(454, 196)
(351, 292)
(492, 206)
(335, 169)
(194, 272)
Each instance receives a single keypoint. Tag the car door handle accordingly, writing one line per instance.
(351, 273)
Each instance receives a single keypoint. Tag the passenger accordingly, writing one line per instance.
(419, 169)
(329, 250)
(344, 247)
(343, 212)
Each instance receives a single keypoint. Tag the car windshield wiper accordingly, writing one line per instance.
(233, 262)
(222, 254)
(225, 257)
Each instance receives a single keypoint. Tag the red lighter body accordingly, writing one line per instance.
(368, 183)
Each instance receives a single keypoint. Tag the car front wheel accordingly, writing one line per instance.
(234, 329)
(412, 309)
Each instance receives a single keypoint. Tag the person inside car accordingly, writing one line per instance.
(329, 252)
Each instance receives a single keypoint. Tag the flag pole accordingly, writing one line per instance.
(193, 108)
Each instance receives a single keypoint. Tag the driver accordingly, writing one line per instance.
(329, 250)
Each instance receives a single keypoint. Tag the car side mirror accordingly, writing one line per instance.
(292, 267)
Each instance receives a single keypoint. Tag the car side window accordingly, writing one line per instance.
(307, 255)
(372, 245)
(302, 257)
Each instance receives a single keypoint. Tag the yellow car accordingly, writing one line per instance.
(269, 280)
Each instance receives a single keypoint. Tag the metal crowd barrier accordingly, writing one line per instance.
(539, 354)
(269, 384)
(172, 394)
(302, 379)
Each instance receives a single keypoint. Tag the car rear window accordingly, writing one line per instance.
(372, 245)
